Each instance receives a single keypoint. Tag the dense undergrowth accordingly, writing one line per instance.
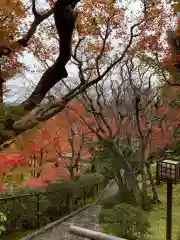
(30, 208)
(120, 216)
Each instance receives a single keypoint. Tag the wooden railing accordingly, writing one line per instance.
(42, 208)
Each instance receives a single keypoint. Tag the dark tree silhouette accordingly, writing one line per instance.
(65, 18)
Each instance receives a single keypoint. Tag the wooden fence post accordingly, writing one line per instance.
(97, 189)
(38, 211)
(84, 193)
(68, 203)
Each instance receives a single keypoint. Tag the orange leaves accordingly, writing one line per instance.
(150, 42)
(97, 48)
(94, 15)
(12, 13)
(10, 66)
(156, 21)
(8, 162)
(53, 137)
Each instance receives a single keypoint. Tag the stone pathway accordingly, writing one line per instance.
(89, 218)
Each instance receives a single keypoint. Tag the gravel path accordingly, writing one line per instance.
(88, 218)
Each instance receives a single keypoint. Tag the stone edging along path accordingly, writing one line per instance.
(88, 218)
(55, 224)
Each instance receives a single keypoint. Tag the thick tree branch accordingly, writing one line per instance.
(46, 111)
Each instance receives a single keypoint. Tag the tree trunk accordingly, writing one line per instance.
(118, 180)
(40, 164)
(127, 181)
(157, 175)
(131, 178)
(71, 171)
(144, 195)
(128, 178)
(154, 190)
(133, 186)
(77, 167)
(93, 168)
(1, 87)
(145, 203)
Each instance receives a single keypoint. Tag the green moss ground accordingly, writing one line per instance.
(17, 235)
(157, 216)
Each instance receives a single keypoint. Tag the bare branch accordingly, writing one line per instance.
(38, 18)
(60, 104)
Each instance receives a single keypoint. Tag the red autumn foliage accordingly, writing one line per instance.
(161, 136)
(11, 160)
(53, 136)
(34, 182)
(50, 174)
(8, 162)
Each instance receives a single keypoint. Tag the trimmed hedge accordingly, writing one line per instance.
(30, 208)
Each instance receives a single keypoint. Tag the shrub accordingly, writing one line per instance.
(111, 201)
(175, 145)
(90, 179)
(2, 220)
(57, 199)
(8, 114)
(125, 221)
(71, 192)
(178, 234)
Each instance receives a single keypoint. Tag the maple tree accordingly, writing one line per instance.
(97, 57)
(93, 43)
(55, 153)
(109, 27)
(155, 123)
(9, 163)
(131, 116)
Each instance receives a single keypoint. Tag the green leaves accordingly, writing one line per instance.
(8, 115)
(125, 221)
(2, 220)
(109, 162)
(175, 145)
(2, 217)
